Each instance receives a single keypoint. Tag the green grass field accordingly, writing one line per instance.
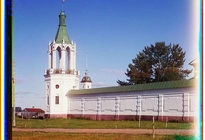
(84, 136)
(90, 124)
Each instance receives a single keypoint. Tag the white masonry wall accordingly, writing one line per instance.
(169, 102)
(65, 82)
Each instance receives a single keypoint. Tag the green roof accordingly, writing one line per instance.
(62, 32)
(139, 87)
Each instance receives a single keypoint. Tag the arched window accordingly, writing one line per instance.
(58, 57)
(57, 100)
(47, 99)
(67, 63)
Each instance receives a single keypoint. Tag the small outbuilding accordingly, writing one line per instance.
(33, 113)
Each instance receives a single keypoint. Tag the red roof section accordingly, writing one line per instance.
(34, 110)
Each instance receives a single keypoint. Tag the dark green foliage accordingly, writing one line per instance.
(157, 63)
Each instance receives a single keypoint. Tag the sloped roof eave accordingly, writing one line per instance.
(34, 110)
(133, 88)
(194, 61)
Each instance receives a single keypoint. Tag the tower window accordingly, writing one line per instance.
(48, 100)
(57, 100)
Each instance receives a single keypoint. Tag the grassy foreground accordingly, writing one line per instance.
(74, 136)
(90, 124)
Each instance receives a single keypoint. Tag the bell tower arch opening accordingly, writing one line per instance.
(67, 63)
(58, 58)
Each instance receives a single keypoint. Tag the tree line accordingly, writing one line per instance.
(157, 63)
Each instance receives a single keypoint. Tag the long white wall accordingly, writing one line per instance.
(181, 103)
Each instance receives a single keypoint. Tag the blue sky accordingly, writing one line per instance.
(112, 31)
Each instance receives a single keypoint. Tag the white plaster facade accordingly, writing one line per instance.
(172, 103)
(58, 85)
(86, 85)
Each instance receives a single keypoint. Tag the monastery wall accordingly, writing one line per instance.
(171, 104)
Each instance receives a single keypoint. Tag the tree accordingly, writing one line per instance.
(157, 64)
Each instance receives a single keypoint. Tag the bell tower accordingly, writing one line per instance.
(61, 75)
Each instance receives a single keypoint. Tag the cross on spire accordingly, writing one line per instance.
(62, 5)
(86, 60)
(86, 64)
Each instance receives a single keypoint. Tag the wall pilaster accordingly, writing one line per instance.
(186, 104)
(98, 108)
(139, 105)
(160, 107)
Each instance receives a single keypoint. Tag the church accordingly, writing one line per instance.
(69, 96)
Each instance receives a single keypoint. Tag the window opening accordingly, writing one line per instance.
(57, 100)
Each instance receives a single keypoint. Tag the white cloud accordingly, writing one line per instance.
(115, 71)
(19, 97)
(23, 80)
(101, 84)
(23, 93)
(42, 97)
(98, 84)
